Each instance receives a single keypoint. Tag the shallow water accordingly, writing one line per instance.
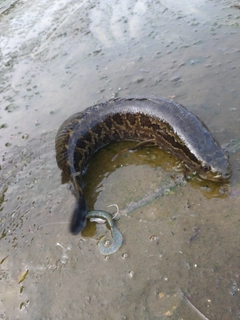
(59, 57)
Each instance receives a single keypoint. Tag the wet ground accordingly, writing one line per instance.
(180, 250)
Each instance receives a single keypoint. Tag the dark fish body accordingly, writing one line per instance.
(168, 124)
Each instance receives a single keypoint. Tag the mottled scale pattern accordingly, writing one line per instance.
(168, 124)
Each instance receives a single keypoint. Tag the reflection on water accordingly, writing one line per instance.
(58, 58)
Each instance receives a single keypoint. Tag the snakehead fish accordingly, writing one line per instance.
(162, 121)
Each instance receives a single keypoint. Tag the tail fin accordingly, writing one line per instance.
(78, 221)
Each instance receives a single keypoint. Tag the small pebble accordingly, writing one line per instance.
(107, 243)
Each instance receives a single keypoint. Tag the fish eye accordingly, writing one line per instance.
(206, 168)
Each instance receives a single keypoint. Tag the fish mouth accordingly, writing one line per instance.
(227, 174)
(216, 177)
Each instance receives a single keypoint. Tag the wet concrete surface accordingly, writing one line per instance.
(58, 58)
